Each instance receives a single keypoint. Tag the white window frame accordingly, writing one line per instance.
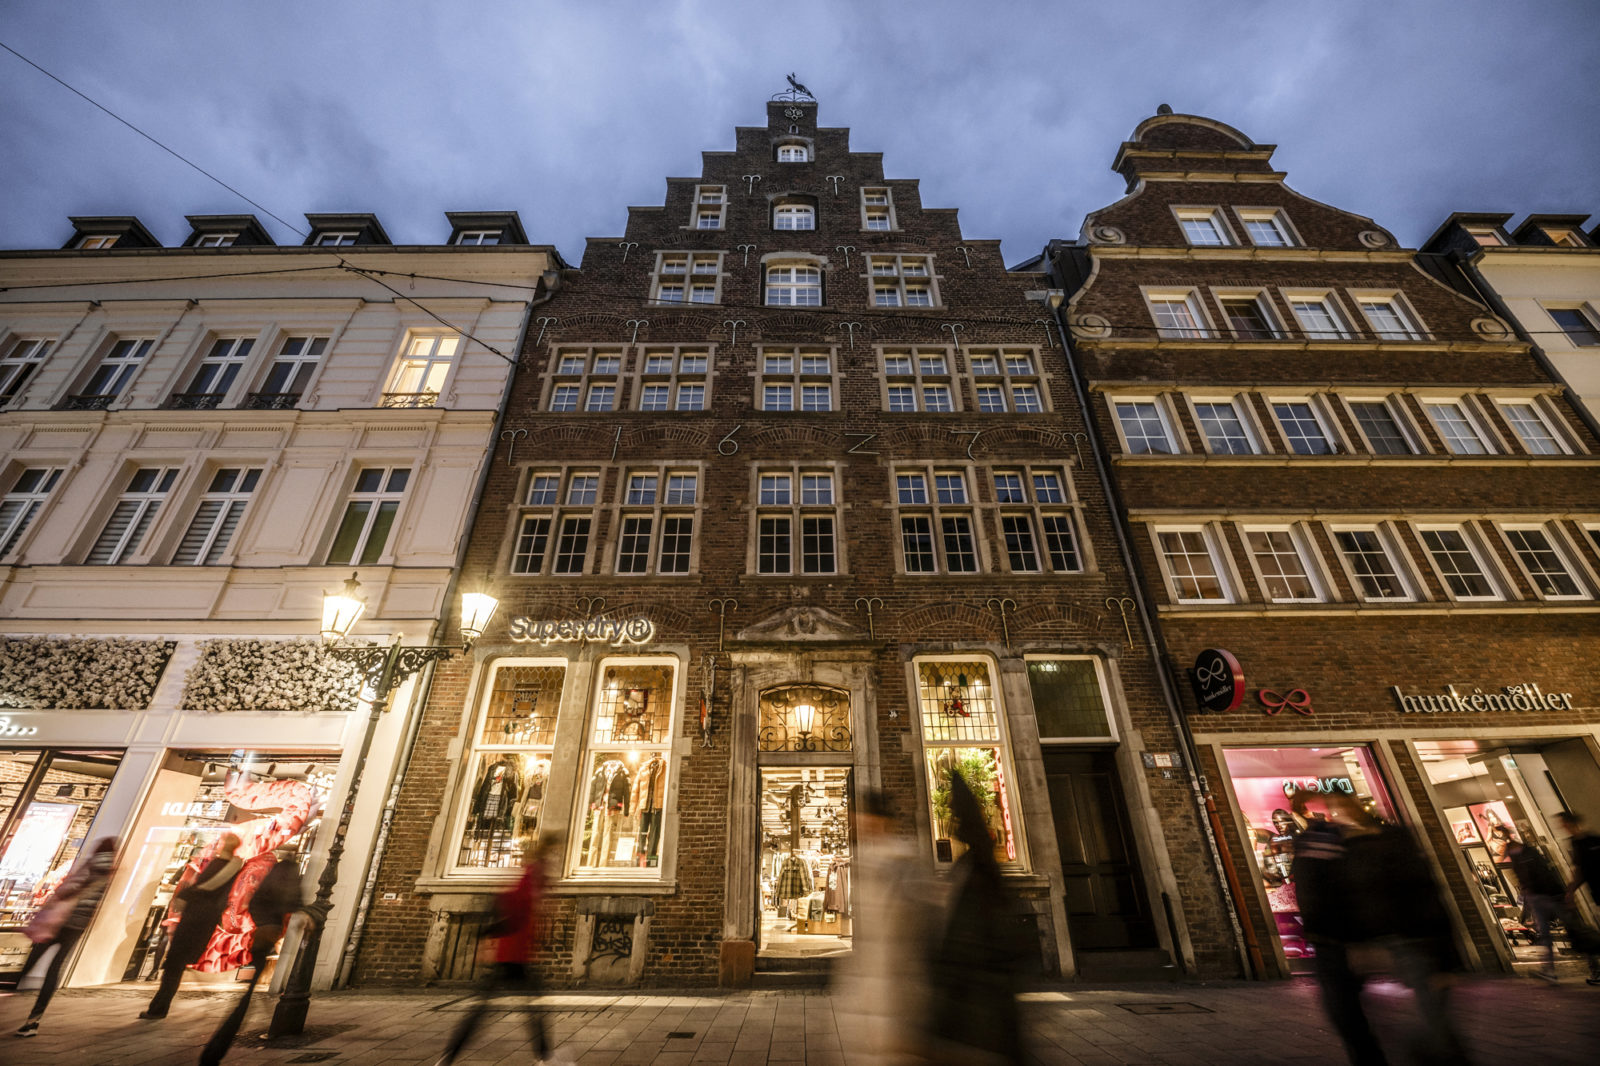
(874, 209)
(147, 505)
(710, 206)
(215, 240)
(898, 276)
(24, 356)
(480, 236)
(1273, 217)
(377, 498)
(797, 152)
(1304, 549)
(1339, 329)
(796, 511)
(562, 375)
(232, 503)
(1005, 758)
(556, 514)
(1553, 427)
(20, 507)
(920, 380)
(1242, 412)
(335, 238)
(1563, 551)
(229, 355)
(793, 212)
(1480, 553)
(700, 270)
(1212, 215)
(1035, 511)
(427, 360)
(1216, 550)
(1326, 422)
(1474, 420)
(1397, 415)
(802, 374)
(687, 367)
(305, 364)
(1174, 442)
(1394, 553)
(1202, 328)
(658, 511)
(1409, 326)
(791, 283)
(132, 354)
(1112, 734)
(936, 511)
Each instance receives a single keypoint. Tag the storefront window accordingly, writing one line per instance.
(1264, 780)
(511, 763)
(623, 786)
(48, 799)
(274, 803)
(1493, 795)
(962, 730)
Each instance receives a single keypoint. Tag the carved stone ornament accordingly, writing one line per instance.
(1090, 326)
(793, 113)
(1107, 235)
(1374, 239)
(1491, 329)
(801, 623)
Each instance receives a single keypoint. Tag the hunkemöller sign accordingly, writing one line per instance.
(635, 630)
(1524, 697)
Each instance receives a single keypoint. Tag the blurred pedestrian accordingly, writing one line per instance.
(63, 918)
(1363, 886)
(973, 998)
(1545, 898)
(1585, 850)
(200, 907)
(881, 984)
(279, 895)
(513, 937)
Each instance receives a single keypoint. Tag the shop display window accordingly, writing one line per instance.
(510, 766)
(963, 729)
(1495, 795)
(48, 800)
(622, 787)
(274, 803)
(1264, 780)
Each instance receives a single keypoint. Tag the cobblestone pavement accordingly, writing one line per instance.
(1508, 1020)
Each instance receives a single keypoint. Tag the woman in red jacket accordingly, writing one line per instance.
(513, 945)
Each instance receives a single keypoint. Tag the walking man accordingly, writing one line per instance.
(202, 904)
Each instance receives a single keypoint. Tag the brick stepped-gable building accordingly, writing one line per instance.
(195, 443)
(1339, 467)
(790, 506)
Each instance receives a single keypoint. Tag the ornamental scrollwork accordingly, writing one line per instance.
(782, 723)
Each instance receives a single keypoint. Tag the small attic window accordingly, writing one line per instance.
(479, 236)
(98, 240)
(1486, 236)
(1566, 238)
(216, 240)
(793, 153)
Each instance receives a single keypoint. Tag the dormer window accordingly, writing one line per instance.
(335, 239)
(1486, 236)
(1203, 227)
(1565, 238)
(216, 240)
(97, 240)
(793, 153)
(1267, 228)
(479, 236)
(794, 217)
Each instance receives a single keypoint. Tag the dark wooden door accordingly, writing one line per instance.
(1107, 908)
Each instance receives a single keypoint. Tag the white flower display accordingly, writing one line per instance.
(270, 675)
(49, 673)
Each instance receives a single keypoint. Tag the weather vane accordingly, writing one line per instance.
(795, 93)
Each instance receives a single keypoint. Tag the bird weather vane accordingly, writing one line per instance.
(795, 91)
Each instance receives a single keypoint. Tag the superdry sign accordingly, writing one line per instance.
(1524, 697)
(1218, 680)
(635, 630)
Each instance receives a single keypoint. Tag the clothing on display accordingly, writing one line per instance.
(794, 879)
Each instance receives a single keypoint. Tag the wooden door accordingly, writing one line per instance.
(1107, 907)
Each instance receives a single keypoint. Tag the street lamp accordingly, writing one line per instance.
(383, 669)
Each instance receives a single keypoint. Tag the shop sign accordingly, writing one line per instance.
(1324, 785)
(1524, 697)
(1218, 680)
(8, 729)
(214, 809)
(635, 630)
(1297, 700)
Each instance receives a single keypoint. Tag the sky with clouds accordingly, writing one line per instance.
(569, 112)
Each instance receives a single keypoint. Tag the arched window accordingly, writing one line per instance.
(794, 216)
(793, 153)
(794, 285)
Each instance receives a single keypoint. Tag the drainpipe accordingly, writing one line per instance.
(419, 701)
(1211, 823)
(1498, 306)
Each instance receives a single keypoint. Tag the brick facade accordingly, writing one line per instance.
(1328, 635)
(691, 924)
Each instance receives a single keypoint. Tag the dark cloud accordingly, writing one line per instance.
(571, 112)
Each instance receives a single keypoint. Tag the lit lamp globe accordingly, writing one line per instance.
(476, 610)
(805, 716)
(341, 609)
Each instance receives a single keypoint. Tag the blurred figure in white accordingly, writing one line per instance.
(882, 985)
